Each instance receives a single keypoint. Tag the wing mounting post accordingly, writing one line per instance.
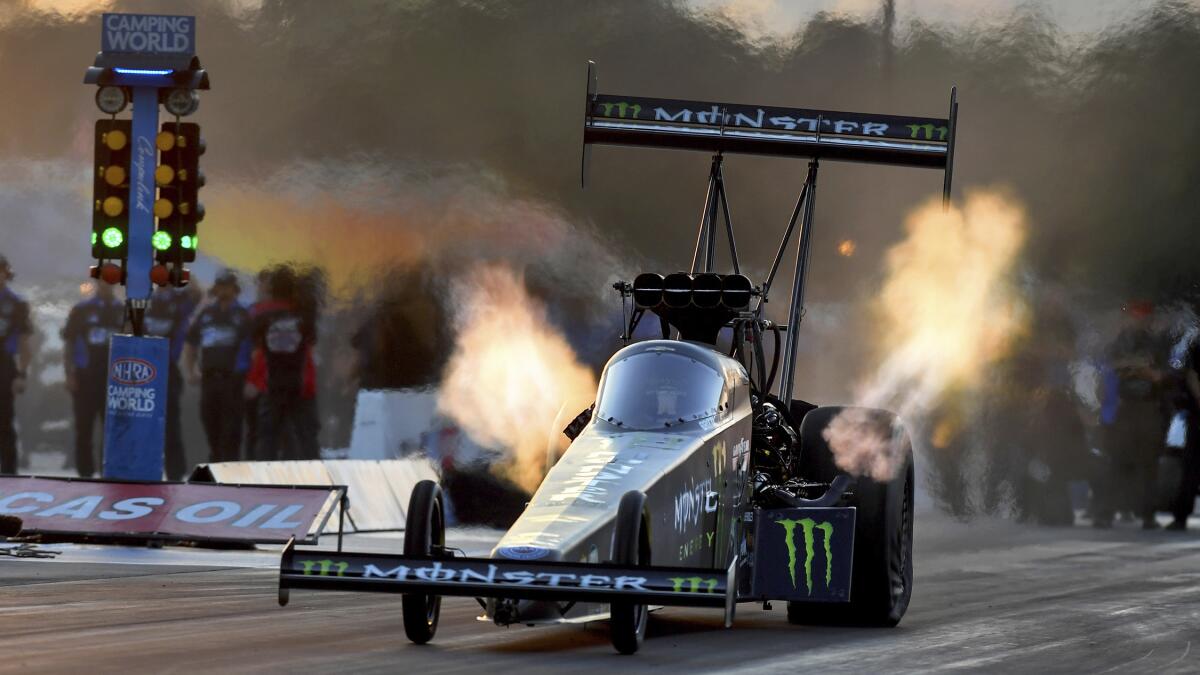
(589, 103)
(953, 128)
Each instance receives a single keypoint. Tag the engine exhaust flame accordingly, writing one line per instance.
(948, 309)
(512, 382)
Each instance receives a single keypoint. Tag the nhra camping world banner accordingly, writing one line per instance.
(171, 510)
(135, 418)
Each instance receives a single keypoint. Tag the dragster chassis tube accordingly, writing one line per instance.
(504, 578)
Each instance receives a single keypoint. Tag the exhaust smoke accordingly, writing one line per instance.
(948, 309)
(512, 382)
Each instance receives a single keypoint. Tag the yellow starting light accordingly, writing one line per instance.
(113, 175)
(185, 208)
(164, 175)
(113, 206)
(165, 141)
(115, 139)
(163, 208)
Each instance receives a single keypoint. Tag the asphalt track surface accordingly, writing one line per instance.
(990, 597)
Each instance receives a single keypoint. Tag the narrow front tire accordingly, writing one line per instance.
(424, 535)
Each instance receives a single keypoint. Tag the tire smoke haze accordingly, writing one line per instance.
(949, 308)
(357, 219)
(512, 382)
(362, 136)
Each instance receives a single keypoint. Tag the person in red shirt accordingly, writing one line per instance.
(282, 375)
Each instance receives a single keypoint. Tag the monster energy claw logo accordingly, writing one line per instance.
(622, 108)
(927, 131)
(694, 584)
(322, 568)
(807, 526)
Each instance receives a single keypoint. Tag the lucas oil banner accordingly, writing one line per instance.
(189, 511)
(135, 420)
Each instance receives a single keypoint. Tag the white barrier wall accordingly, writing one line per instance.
(387, 421)
(378, 489)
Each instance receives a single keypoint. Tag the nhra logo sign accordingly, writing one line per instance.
(133, 372)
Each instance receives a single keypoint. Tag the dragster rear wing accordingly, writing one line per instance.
(502, 578)
(765, 130)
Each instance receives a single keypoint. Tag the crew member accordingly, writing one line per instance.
(167, 317)
(284, 376)
(85, 361)
(262, 295)
(15, 356)
(1185, 501)
(216, 356)
(1135, 438)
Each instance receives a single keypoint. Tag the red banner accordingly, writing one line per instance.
(184, 510)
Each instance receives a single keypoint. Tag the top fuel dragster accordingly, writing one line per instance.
(689, 482)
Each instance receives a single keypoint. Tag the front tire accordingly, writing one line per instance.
(424, 532)
(882, 578)
(630, 547)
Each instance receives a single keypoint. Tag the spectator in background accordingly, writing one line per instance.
(168, 317)
(85, 362)
(1188, 400)
(1136, 435)
(262, 293)
(15, 357)
(283, 375)
(216, 356)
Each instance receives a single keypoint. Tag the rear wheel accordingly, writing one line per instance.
(630, 547)
(882, 578)
(424, 532)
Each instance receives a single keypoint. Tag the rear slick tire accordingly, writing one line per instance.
(630, 547)
(882, 577)
(424, 533)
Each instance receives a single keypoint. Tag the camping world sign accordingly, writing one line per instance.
(148, 34)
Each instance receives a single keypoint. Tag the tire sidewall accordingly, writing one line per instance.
(628, 620)
(425, 528)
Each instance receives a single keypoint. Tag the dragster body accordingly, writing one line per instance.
(695, 479)
(692, 471)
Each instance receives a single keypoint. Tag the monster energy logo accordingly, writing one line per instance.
(694, 584)
(622, 107)
(322, 568)
(807, 526)
(927, 131)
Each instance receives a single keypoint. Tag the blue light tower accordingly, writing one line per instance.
(148, 59)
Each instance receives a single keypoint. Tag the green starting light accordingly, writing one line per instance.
(161, 240)
(187, 242)
(94, 238)
(112, 237)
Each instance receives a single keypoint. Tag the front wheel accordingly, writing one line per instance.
(628, 621)
(424, 533)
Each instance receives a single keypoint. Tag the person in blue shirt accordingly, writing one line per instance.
(85, 361)
(15, 355)
(168, 317)
(216, 356)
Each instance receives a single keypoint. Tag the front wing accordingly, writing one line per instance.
(502, 578)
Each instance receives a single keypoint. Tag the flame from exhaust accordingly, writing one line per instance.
(948, 309)
(512, 382)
